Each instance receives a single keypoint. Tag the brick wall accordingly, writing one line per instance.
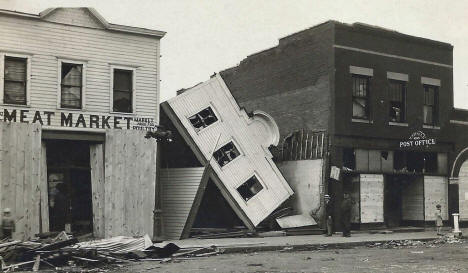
(291, 82)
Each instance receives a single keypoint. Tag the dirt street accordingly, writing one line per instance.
(439, 258)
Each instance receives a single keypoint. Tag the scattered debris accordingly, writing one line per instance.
(446, 239)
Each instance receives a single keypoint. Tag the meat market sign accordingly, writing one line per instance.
(78, 119)
(417, 139)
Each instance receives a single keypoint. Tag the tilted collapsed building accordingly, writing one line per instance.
(218, 167)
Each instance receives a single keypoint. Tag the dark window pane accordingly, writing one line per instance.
(203, 119)
(428, 118)
(71, 74)
(71, 97)
(15, 80)
(397, 101)
(123, 80)
(15, 69)
(250, 188)
(360, 97)
(122, 102)
(226, 154)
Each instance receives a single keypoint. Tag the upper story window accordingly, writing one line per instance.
(71, 85)
(397, 101)
(15, 80)
(250, 188)
(361, 108)
(431, 103)
(123, 90)
(226, 154)
(203, 119)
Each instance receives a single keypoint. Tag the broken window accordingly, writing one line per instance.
(431, 98)
(15, 74)
(122, 91)
(361, 97)
(397, 98)
(203, 119)
(250, 188)
(71, 85)
(226, 154)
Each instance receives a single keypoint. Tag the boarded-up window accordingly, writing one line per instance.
(15, 80)
(250, 188)
(123, 90)
(71, 85)
(361, 108)
(226, 154)
(203, 119)
(431, 98)
(397, 100)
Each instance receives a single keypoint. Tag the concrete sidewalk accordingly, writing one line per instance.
(303, 242)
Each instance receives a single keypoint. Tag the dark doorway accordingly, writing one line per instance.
(215, 214)
(69, 185)
(393, 186)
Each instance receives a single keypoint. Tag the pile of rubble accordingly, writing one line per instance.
(63, 253)
(446, 239)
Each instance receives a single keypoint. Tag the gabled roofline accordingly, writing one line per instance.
(106, 25)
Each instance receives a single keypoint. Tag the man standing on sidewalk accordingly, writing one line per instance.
(329, 214)
(346, 214)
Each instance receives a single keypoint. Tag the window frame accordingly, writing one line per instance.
(111, 89)
(234, 142)
(215, 111)
(59, 83)
(3, 55)
(404, 100)
(254, 174)
(435, 106)
(367, 97)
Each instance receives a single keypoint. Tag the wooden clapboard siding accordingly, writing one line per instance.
(412, 200)
(233, 124)
(129, 183)
(372, 194)
(97, 187)
(463, 191)
(179, 188)
(45, 42)
(22, 182)
(435, 192)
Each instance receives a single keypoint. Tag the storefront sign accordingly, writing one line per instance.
(78, 119)
(416, 139)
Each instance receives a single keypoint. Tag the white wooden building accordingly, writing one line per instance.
(77, 94)
(231, 147)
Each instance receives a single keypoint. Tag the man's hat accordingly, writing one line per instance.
(6, 210)
(327, 196)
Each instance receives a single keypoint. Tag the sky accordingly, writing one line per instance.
(207, 36)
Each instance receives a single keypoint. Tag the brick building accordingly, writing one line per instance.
(384, 100)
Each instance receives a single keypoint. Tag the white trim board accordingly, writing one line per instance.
(392, 56)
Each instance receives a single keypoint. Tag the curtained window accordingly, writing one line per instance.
(71, 85)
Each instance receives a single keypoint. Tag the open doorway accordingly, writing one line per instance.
(69, 186)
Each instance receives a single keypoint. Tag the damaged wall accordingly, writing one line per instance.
(305, 178)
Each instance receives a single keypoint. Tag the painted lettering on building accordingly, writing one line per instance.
(78, 120)
(417, 139)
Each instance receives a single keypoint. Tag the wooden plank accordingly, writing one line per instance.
(435, 193)
(43, 188)
(97, 188)
(108, 184)
(362, 160)
(372, 195)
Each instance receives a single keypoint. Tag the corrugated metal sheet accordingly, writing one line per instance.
(20, 177)
(233, 124)
(179, 187)
(435, 192)
(372, 198)
(412, 200)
